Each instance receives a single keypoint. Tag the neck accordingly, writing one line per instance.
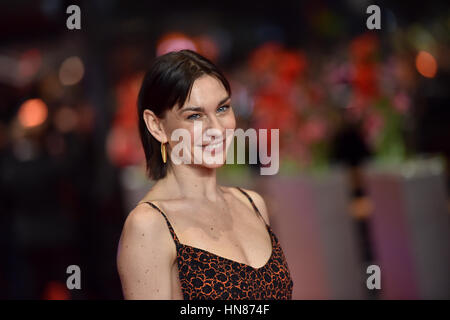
(194, 182)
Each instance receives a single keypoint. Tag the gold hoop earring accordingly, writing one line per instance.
(163, 152)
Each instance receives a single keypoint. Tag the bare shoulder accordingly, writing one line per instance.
(145, 254)
(259, 202)
(144, 220)
(145, 227)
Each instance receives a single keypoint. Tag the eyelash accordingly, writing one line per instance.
(226, 106)
(197, 114)
(190, 117)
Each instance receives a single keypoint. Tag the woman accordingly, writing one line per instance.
(189, 238)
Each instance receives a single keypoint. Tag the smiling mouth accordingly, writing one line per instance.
(214, 143)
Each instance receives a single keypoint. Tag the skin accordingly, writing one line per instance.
(202, 213)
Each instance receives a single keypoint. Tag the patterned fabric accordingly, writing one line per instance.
(204, 275)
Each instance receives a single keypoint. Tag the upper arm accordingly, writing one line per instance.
(259, 202)
(145, 255)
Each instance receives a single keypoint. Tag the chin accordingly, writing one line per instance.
(213, 165)
(212, 162)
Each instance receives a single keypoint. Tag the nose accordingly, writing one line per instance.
(214, 127)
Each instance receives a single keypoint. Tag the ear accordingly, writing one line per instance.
(154, 125)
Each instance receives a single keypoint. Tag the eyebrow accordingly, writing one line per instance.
(203, 109)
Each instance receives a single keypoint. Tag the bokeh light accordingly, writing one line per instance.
(71, 71)
(55, 290)
(28, 65)
(32, 113)
(207, 47)
(426, 64)
(174, 41)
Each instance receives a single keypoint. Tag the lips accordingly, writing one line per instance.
(215, 143)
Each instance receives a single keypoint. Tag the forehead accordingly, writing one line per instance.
(206, 91)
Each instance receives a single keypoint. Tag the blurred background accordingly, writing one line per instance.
(364, 136)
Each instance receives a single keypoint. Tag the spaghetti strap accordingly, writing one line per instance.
(172, 232)
(253, 205)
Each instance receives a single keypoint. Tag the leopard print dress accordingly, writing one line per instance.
(204, 275)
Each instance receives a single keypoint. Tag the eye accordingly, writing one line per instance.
(194, 116)
(223, 108)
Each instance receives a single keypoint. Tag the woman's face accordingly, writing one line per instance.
(205, 118)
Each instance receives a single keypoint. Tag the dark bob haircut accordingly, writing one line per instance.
(166, 84)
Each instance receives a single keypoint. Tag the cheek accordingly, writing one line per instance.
(178, 131)
(193, 135)
(229, 122)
